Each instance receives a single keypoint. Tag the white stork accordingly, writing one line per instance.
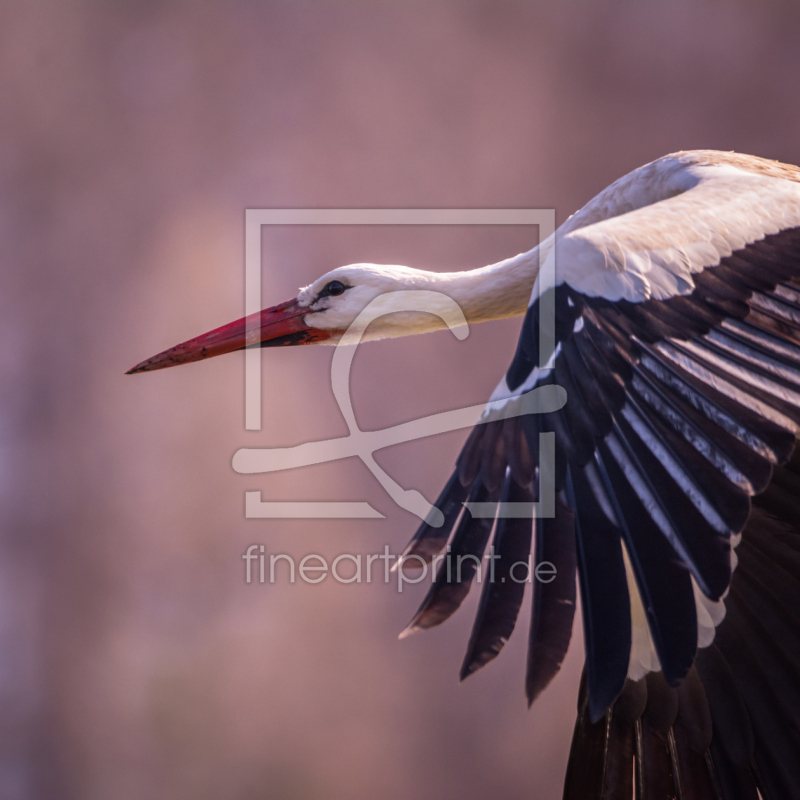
(677, 317)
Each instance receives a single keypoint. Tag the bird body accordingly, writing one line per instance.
(675, 300)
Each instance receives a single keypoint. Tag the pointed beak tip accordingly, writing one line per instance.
(280, 325)
(169, 358)
(151, 364)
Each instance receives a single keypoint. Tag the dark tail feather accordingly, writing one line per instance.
(731, 731)
(586, 768)
(646, 745)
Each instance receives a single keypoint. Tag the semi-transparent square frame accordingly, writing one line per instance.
(255, 218)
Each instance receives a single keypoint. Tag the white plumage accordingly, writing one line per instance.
(646, 235)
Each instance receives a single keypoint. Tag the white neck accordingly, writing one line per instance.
(498, 291)
(495, 292)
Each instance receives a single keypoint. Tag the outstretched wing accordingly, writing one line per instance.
(677, 339)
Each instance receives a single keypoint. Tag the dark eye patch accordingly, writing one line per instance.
(332, 289)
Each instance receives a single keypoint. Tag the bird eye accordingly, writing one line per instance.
(334, 288)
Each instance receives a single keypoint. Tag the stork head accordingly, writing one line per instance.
(320, 314)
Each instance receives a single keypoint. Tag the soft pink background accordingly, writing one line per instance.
(134, 662)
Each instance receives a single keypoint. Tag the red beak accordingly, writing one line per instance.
(279, 326)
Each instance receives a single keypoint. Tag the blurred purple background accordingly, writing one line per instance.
(134, 661)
